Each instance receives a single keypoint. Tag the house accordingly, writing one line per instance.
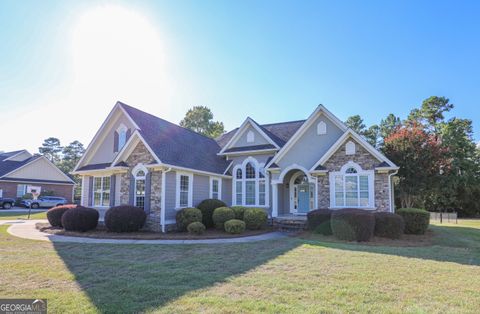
(287, 168)
(22, 173)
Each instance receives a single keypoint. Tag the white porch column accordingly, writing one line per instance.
(274, 199)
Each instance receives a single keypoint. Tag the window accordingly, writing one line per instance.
(184, 190)
(321, 128)
(250, 186)
(350, 148)
(140, 177)
(122, 136)
(215, 188)
(250, 137)
(101, 191)
(21, 190)
(352, 187)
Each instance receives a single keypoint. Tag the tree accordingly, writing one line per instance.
(431, 113)
(356, 123)
(372, 135)
(199, 119)
(71, 155)
(51, 149)
(389, 125)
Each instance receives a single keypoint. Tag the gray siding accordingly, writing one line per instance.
(170, 195)
(259, 139)
(201, 189)
(227, 191)
(311, 146)
(260, 158)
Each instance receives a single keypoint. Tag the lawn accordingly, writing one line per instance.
(283, 276)
(5, 215)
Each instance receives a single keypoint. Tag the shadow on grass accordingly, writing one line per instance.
(137, 278)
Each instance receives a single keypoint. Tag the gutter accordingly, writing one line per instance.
(391, 193)
(164, 192)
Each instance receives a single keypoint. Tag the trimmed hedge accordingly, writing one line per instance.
(196, 228)
(416, 220)
(318, 220)
(207, 207)
(255, 218)
(125, 218)
(352, 224)
(234, 226)
(54, 214)
(186, 216)
(239, 211)
(80, 219)
(222, 215)
(389, 225)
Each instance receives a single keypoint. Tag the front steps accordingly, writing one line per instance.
(290, 223)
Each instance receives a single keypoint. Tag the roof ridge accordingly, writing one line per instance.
(285, 122)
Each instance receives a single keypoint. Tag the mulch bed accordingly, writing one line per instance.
(407, 240)
(101, 233)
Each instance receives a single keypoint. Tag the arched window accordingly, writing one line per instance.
(139, 175)
(250, 184)
(352, 187)
(122, 137)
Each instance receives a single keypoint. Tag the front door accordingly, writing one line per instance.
(303, 198)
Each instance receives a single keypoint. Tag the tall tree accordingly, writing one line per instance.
(389, 125)
(431, 113)
(199, 119)
(51, 149)
(356, 123)
(71, 155)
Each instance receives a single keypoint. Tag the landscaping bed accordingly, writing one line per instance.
(101, 233)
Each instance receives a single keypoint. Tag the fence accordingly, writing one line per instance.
(444, 217)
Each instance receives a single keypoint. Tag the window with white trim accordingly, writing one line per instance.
(122, 136)
(250, 185)
(101, 191)
(215, 188)
(21, 190)
(140, 176)
(352, 187)
(184, 188)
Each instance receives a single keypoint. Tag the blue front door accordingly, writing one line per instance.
(303, 198)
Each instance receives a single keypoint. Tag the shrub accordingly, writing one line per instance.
(416, 220)
(186, 216)
(319, 221)
(54, 214)
(196, 228)
(125, 218)
(388, 225)
(255, 218)
(221, 215)
(207, 207)
(352, 224)
(234, 226)
(80, 219)
(239, 211)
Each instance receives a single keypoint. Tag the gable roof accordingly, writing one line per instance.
(6, 155)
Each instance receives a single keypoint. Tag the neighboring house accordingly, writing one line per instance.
(286, 168)
(22, 173)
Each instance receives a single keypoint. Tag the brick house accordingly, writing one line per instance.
(287, 168)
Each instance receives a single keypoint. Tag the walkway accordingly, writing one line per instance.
(26, 229)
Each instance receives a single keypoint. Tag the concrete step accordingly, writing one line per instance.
(289, 225)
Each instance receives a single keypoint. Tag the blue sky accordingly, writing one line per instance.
(64, 64)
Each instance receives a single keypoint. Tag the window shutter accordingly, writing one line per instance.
(148, 190)
(115, 142)
(90, 191)
(112, 190)
(131, 199)
(128, 135)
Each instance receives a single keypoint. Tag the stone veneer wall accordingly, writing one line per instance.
(368, 162)
(141, 155)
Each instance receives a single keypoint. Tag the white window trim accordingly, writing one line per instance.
(219, 187)
(101, 194)
(360, 172)
(135, 171)
(121, 129)
(257, 166)
(177, 189)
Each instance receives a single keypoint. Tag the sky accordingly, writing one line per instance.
(64, 64)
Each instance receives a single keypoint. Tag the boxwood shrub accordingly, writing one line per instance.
(186, 216)
(318, 220)
(353, 224)
(255, 218)
(207, 207)
(234, 226)
(125, 218)
(80, 219)
(196, 228)
(54, 214)
(416, 220)
(239, 211)
(389, 225)
(222, 215)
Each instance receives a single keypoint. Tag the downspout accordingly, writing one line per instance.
(164, 193)
(391, 193)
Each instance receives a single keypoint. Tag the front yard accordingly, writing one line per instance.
(287, 275)
(11, 215)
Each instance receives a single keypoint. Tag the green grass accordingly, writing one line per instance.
(283, 276)
(5, 215)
